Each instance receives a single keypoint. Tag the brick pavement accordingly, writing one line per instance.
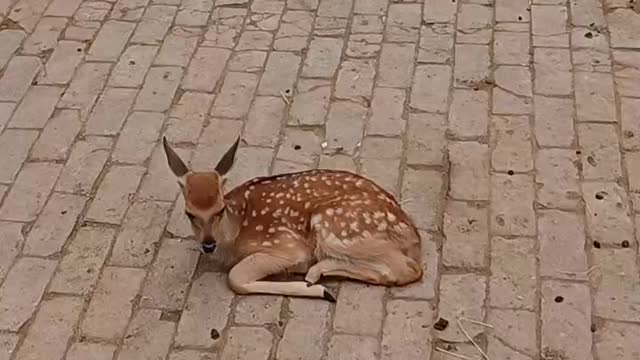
(509, 128)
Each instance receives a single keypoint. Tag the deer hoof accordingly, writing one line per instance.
(327, 296)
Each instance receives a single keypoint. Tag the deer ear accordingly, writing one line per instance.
(176, 165)
(226, 162)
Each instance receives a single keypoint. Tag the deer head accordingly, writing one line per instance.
(203, 194)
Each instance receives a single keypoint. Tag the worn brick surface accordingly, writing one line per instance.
(507, 129)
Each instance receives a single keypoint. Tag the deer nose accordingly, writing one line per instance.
(208, 245)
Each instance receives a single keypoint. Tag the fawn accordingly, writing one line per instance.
(316, 222)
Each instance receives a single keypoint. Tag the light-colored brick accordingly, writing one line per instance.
(138, 137)
(384, 172)
(615, 286)
(110, 41)
(511, 48)
(8, 343)
(85, 163)
(10, 41)
(387, 106)
(235, 96)
(63, 7)
(396, 66)
(159, 88)
(300, 146)
(515, 329)
(345, 126)
(177, 47)
(423, 187)
(616, 340)
(238, 348)
(192, 355)
(608, 213)
(322, 58)
(557, 178)
(279, 74)
(45, 36)
(30, 191)
(600, 155)
(110, 111)
(466, 235)
(549, 26)
(54, 225)
(359, 309)
(511, 143)
(17, 77)
(148, 336)
(513, 273)
(207, 308)
(469, 114)
(552, 71)
(22, 290)
(86, 350)
(595, 99)
(57, 137)
(294, 31)
(113, 195)
(310, 103)
(474, 24)
(194, 13)
(13, 240)
(6, 110)
(350, 347)
(439, 11)
(553, 121)
(403, 23)
(566, 323)
(469, 172)
(227, 33)
(471, 65)
(258, 310)
(430, 88)
(14, 147)
(154, 24)
(160, 183)
(27, 13)
(512, 200)
(562, 238)
(461, 296)
(132, 66)
(247, 61)
(629, 108)
(512, 10)
(141, 231)
(84, 256)
(624, 26)
(111, 304)
(52, 329)
(355, 80)
(85, 87)
(36, 107)
(264, 121)
(250, 162)
(406, 333)
(436, 44)
(512, 93)
(130, 10)
(302, 338)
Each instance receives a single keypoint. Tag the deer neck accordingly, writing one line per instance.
(228, 228)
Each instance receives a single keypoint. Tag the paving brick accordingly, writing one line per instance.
(461, 296)
(423, 187)
(85, 87)
(511, 143)
(111, 304)
(516, 329)
(86, 160)
(159, 89)
(194, 13)
(362, 302)
(337, 161)
(52, 329)
(429, 91)
(345, 126)
(561, 233)
(10, 41)
(54, 225)
(86, 350)
(27, 13)
(469, 172)
(187, 117)
(138, 137)
(595, 99)
(279, 74)
(6, 109)
(148, 336)
(238, 348)
(426, 287)
(285, 167)
(113, 195)
(469, 114)
(299, 146)
(557, 178)
(57, 137)
(330, 26)
(322, 57)
(132, 66)
(45, 36)
(264, 121)
(206, 309)
(512, 205)
(403, 23)
(627, 72)
(474, 24)
(159, 184)
(302, 4)
(110, 41)
(141, 231)
(631, 162)
(508, 10)
(235, 96)
(566, 324)
(383, 172)
(466, 235)
(512, 93)
(436, 44)
(247, 61)
(265, 21)
(17, 77)
(227, 33)
(615, 288)
(90, 13)
(471, 65)
(406, 330)
(170, 274)
(386, 112)
(629, 108)
(600, 155)
(378, 7)
(367, 24)
(255, 40)
(258, 310)
(63, 7)
(396, 66)
(364, 45)
(549, 26)
(22, 290)
(553, 71)
(513, 273)
(608, 220)
(335, 8)
(13, 240)
(8, 343)
(616, 340)
(345, 347)
(177, 47)
(553, 121)
(30, 191)
(154, 24)
(624, 26)
(192, 355)
(216, 138)
(302, 338)
(439, 11)
(355, 80)
(36, 107)
(130, 10)
(310, 102)
(110, 111)
(250, 162)
(511, 48)
(14, 145)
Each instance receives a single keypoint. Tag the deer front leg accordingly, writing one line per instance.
(244, 277)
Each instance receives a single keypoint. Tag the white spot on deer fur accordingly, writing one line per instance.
(290, 245)
(254, 213)
(245, 223)
(378, 215)
(307, 205)
(328, 182)
(246, 194)
(329, 212)
(264, 211)
(268, 201)
(266, 243)
(259, 227)
(271, 230)
(326, 224)
(279, 195)
(294, 213)
(343, 233)
(252, 187)
(253, 243)
(391, 217)
(276, 241)
(339, 211)
(281, 202)
(316, 220)
(367, 218)
(306, 185)
(382, 226)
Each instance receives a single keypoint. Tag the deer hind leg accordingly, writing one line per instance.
(336, 267)
(244, 278)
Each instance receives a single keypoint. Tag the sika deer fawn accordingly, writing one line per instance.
(317, 222)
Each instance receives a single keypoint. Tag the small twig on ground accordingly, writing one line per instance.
(476, 322)
(470, 339)
(452, 354)
(285, 98)
(576, 273)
